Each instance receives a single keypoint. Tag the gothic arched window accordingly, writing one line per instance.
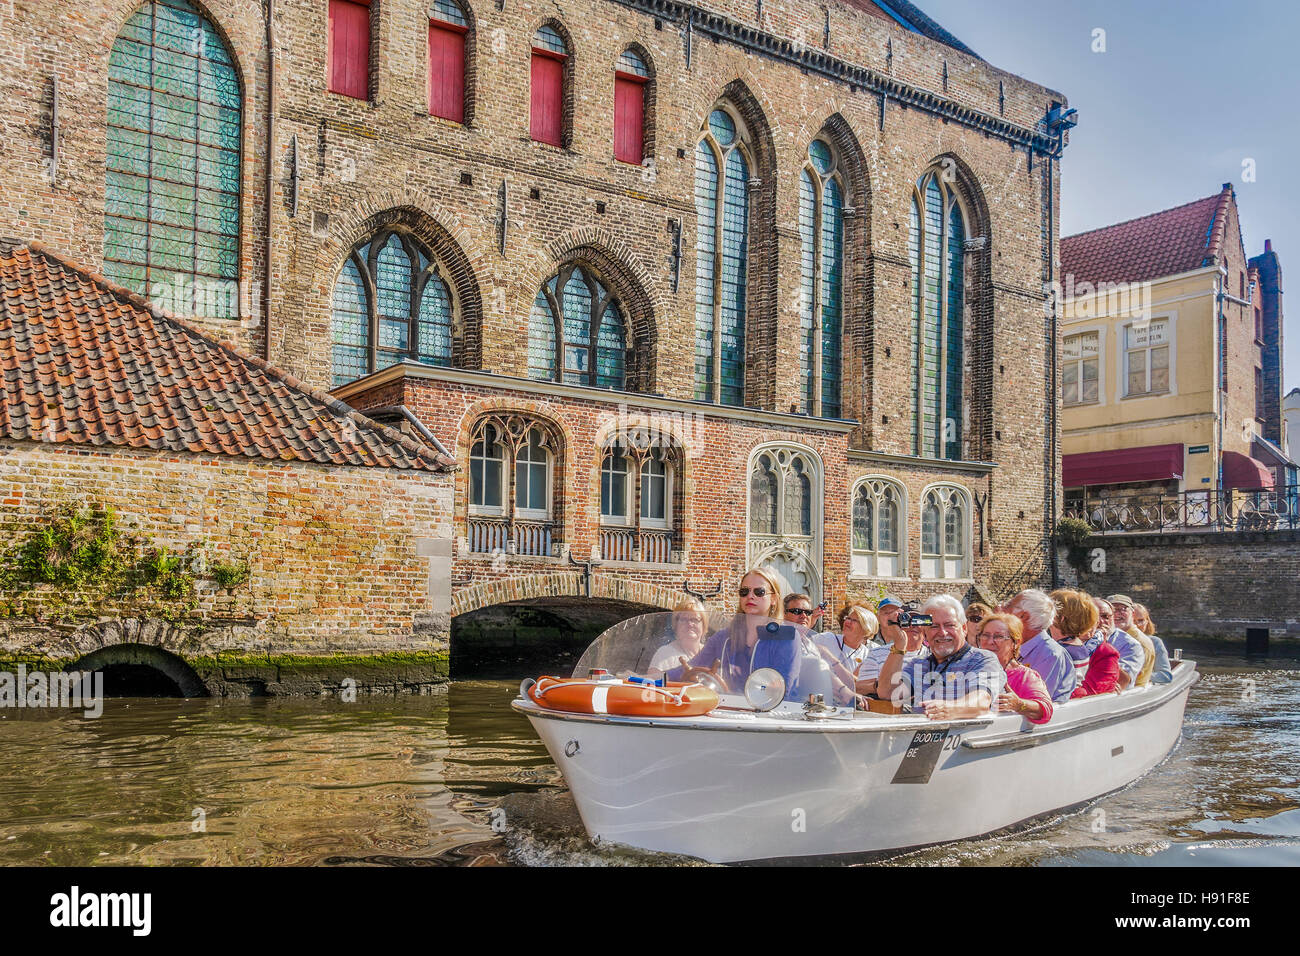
(878, 538)
(639, 500)
(576, 332)
(721, 258)
(945, 533)
(936, 248)
(171, 191)
(391, 304)
(512, 503)
(782, 493)
(821, 286)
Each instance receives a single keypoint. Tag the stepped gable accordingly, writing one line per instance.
(85, 361)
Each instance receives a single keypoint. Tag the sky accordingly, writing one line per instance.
(1183, 95)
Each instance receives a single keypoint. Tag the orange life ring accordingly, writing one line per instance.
(580, 695)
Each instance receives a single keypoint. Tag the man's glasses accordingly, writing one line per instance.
(974, 618)
(801, 611)
(758, 592)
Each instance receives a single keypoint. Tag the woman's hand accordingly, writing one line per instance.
(844, 695)
(1008, 701)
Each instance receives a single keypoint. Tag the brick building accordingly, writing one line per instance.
(680, 290)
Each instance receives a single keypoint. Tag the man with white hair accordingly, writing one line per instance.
(953, 674)
(1039, 649)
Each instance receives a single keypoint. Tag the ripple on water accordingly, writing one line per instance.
(458, 779)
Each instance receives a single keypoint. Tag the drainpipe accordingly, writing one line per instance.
(1051, 405)
(270, 175)
(1221, 295)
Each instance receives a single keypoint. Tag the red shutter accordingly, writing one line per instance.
(629, 118)
(447, 71)
(547, 98)
(349, 49)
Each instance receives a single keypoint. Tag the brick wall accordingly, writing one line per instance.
(364, 163)
(1206, 584)
(334, 552)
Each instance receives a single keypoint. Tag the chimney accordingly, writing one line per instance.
(1268, 245)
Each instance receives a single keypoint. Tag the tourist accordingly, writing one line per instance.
(977, 612)
(1035, 611)
(1162, 672)
(887, 612)
(1123, 607)
(820, 671)
(1025, 693)
(1073, 627)
(1132, 656)
(690, 625)
(756, 639)
(850, 647)
(953, 674)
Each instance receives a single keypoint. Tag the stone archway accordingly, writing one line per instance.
(139, 670)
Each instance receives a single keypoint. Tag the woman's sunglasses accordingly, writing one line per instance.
(758, 592)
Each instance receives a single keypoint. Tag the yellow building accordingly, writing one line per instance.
(1170, 356)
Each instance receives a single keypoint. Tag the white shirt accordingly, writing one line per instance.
(666, 658)
(851, 657)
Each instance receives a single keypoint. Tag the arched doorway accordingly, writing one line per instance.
(544, 635)
(139, 670)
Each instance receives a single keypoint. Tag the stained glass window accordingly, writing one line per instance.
(407, 318)
(936, 246)
(574, 311)
(171, 217)
(821, 234)
(721, 247)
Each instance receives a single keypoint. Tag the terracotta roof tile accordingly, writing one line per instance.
(1161, 244)
(83, 360)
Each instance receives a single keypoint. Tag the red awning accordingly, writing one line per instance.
(1242, 471)
(1148, 463)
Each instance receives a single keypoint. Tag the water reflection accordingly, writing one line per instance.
(458, 779)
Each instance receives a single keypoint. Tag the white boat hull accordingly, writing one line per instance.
(732, 787)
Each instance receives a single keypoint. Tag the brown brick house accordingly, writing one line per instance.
(807, 328)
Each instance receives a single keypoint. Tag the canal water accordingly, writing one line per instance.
(458, 779)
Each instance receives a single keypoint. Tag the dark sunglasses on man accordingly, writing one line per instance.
(801, 611)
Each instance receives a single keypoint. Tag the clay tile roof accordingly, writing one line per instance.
(83, 360)
(1162, 244)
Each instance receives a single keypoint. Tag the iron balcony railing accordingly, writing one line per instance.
(1258, 509)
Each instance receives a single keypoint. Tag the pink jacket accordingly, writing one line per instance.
(1024, 682)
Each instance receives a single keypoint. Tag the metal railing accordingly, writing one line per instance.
(1258, 509)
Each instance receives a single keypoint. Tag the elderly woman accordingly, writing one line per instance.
(1025, 693)
(1096, 660)
(849, 648)
(690, 625)
(1161, 672)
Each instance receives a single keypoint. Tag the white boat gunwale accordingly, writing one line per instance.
(1152, 696)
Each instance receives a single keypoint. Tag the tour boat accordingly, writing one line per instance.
(758, 779)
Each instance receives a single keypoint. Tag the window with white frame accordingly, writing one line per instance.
(511, 447)
(878, 529)
(637, 500)
(1080, 369)
(1146, 358)
(945, 533)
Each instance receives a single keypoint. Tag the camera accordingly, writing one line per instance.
(910, 617)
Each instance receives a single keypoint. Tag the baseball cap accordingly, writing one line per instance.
(1120, 599)
(887, 601)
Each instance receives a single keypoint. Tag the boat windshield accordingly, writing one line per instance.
(682, 645)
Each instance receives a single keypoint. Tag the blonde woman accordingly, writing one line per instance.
(690, 625)
(1162, 671)
(732, 653)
